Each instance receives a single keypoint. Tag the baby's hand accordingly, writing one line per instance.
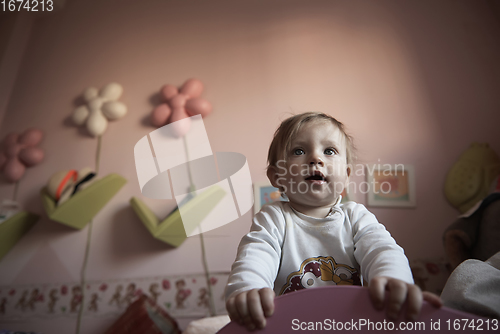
(399, 292)
(251, 308)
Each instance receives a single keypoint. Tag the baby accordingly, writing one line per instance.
(313, 240)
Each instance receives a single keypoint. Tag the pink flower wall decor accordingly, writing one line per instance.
(179, 104)
(20, 151)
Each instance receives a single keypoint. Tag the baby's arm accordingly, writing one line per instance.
(385, 266)
(249, 294)
(399, 292)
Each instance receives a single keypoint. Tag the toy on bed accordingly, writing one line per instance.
(471, 242)
(474, 286)
(473, 188)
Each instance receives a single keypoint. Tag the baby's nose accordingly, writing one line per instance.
(316, 160)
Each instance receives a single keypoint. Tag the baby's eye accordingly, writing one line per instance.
(298, 151)
(330, 151)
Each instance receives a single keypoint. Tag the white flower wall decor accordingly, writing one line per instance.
(100, 107)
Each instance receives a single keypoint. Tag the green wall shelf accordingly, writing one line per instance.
(171, 230)
(85, 204)
(14, 228)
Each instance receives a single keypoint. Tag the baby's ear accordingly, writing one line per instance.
(272, 176)
(348, 170)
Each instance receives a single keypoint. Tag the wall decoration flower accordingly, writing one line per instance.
(20, 151)
(101, 106)
(180, 103)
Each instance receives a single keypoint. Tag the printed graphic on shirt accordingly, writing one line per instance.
(320, 271)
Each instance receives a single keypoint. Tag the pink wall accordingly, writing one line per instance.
(415, 83)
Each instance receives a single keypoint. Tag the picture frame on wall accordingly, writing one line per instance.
(391, 185)
(265, 193)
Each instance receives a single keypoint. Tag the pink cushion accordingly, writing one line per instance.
(295, 312)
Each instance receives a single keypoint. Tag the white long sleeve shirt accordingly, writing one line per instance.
(287, 250)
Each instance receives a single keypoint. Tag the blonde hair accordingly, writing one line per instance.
(289, 129)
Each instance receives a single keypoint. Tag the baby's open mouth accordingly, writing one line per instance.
(317, 176)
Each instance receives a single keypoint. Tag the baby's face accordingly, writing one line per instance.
(315, 173)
